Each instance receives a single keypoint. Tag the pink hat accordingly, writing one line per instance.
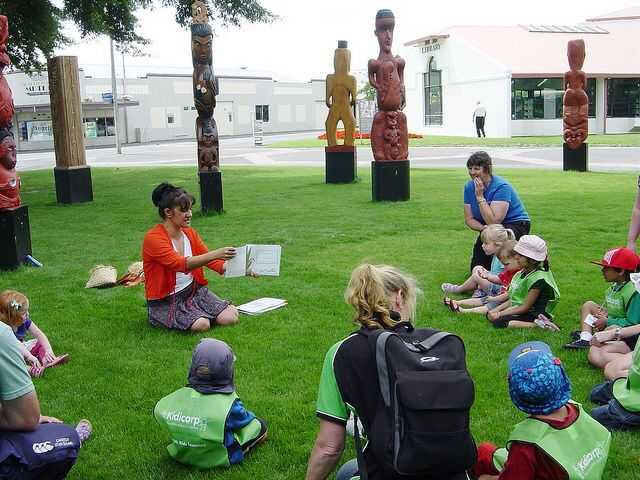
(620, 257)
(531, 246)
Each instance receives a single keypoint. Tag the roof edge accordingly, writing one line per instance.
(420, 40)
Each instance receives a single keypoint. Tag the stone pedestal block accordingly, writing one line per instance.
(340, 164)
(73, 185)
(577, 160)
(211, 192)
(15, 237)
(390, 181)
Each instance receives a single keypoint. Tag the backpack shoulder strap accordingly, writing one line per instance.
(381, 364)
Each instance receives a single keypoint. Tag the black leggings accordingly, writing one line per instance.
(480, 258)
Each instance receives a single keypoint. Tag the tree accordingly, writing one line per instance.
(35, 26)
(367, 92)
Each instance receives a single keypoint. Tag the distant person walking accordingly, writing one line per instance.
(479, 116)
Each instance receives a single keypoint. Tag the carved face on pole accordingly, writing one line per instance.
(576, 54)
(201, 47)
(8, 152)
(385, 23)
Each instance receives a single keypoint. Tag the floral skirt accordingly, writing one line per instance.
(180, 310)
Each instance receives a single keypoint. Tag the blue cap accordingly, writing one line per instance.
(538, 384)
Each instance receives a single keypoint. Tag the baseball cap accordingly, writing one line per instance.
(212, 367)
(619, 257)
(532, 246)
(538, 384)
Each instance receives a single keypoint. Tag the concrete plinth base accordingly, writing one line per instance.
(73, 185)
(576, 160)
(15, 237)
(211, 192)
(340, 164)
(390, 181)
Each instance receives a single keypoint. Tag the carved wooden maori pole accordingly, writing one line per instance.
(575, 109)
(341, 93)
(205, 89)
(15, 236)
(72, 174)
(389, 136)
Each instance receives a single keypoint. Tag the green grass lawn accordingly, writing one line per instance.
(120, 366)
(613, 140)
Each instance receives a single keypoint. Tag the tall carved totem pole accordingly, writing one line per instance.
(341, 93)
(205, 89)
(575, 110)
(15, 236)
(389, 136)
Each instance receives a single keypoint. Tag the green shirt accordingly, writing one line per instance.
(622, 312)
(15, 380)
(330, 403)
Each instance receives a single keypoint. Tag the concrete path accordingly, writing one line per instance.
(241, 151)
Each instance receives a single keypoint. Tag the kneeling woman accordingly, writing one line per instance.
(173, 256)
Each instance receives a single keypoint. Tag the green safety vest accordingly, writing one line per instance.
(617, 301)
(196, 424)
(521, 284)
(581, 449)
(627, 390)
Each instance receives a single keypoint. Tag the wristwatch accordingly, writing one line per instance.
(616, 333)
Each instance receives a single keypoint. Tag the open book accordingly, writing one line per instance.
(260, 259)
(261, 305)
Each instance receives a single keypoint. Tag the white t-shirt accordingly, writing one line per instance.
(183, 280)
(480, 111)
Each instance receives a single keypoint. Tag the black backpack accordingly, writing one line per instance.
(421, 424)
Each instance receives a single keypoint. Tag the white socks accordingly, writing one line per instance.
(586, 336)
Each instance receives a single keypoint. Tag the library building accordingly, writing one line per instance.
(516, 73)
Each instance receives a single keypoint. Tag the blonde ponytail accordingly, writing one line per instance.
(370, 289)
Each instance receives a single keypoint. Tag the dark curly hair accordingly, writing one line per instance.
(481, 159)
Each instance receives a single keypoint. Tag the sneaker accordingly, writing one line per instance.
(450, 288)
(546, 324)
(479, 293)
(578, 344)
(84, 429)
(575, 335)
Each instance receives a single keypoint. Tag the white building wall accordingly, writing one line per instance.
(468, 75)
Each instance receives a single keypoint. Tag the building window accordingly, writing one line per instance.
(432, 94)
(171, 119)
(186, 109)
(541, 98)
(262, 113)
(623, 97)
(98, 127)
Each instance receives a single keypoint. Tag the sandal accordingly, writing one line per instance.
(59, 360)
(453, 306)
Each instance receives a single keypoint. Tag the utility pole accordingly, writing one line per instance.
(124, 93)
(114, 93)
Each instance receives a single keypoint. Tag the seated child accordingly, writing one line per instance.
(558, 440)
(37, 353)
(483, 304)
(493, 238)
(621, 306)
(533, 292)
(207, 422)
(620, 398)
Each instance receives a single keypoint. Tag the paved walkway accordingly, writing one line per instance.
(241, 151)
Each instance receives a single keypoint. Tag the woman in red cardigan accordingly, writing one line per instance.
(173, 256)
